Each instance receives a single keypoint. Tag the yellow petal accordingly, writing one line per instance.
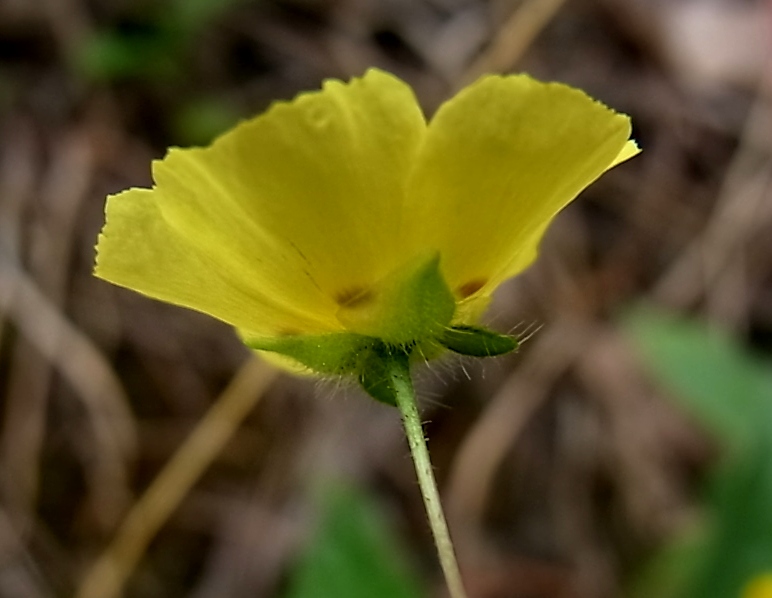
(759, 587)
(629, 150)
(137, 249)
(308, 197)
(500, 160)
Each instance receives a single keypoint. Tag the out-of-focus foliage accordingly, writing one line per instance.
(198, 121)
(726, 388)
(150, 44)
(729, 391)
(353, 553)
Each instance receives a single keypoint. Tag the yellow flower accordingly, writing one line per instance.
(344, 217)
(759, 587)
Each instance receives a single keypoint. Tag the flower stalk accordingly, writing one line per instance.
(397, 369)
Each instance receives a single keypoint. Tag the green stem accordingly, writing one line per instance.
(402, 388)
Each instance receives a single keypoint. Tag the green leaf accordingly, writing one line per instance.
(476, 341)
(191, 15)
(198, 121)
(727, 389)
(730, 391)
(740, 546)
(352, 555)
(732, 547)
(672, 571)
(110, 55)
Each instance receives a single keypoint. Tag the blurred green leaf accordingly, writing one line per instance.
(199, 121)
(155, 44)
(735, 545)
(353, 554)
(729, 390)
(191, 15)
(111, 55)
(671, 571)
(740, 546)
(726, 388)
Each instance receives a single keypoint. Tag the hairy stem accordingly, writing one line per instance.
(402, 387)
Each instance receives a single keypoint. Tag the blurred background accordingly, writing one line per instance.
(623, 451)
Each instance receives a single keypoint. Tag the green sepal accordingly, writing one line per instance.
(476, 341)
(377, 371)
(411, 305)
(334, 354)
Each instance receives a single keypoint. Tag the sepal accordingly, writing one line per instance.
(378, 370)
(412, 304)
(476, 341)
(335, 354)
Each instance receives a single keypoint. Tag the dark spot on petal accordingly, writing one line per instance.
(471, 287)
(354, 297)
(288, 332)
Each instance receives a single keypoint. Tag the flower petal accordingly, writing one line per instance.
(629, 150)
(500, 160)
(307, 197)
(139, 250)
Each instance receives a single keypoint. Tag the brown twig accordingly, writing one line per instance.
(111, 570)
